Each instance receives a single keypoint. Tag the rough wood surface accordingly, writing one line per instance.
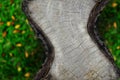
(63, 23)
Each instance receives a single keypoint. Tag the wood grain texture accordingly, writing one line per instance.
(62, 25)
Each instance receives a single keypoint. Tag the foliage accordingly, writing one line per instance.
(109, 28)
(21, 54)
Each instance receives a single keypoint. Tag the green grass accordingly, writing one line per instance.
(109, 27)
(21, 53)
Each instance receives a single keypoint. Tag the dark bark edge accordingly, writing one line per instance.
(49, 49)
(94, 34)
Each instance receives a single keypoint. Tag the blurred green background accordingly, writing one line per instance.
(22, 54)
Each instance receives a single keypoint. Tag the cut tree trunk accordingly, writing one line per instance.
(73, 48)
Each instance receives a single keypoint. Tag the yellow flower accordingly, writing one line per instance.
(8, 23)
(26, 54)
(115, 25)
(18, 44)
(17, 26)
(26, 21)
(114, 4)
(11, 54)
(118, 47)
(114, 58)
(19, 68)
(23, 32)
(13, 18)
(27, 74)
(16, 31)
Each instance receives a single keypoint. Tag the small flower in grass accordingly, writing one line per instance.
(114, 4)
(3, 54)
(23, 32)
(10, 54)
(118, 47)
(19, 68)
(115, 25)
(4, 34)
(26, 54)
(27, 21)
(17, 26)
(114, 57)
(16, 31)
(27, 74)
(19, 45)
(0, 5)
(8, 23)
(13, 18)
(12, 23)
(1, 23)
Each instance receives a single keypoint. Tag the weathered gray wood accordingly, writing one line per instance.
(77, 57)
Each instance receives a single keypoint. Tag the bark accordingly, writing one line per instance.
(73, 47)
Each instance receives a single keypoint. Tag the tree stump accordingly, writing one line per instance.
(73, 48)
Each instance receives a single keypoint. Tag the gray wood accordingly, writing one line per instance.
(77, 57)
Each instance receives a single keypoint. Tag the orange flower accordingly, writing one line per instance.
(1, 23)
(0, 5)
(26, 54)
(114, 4)
(4, 34)
(16, 31)
(27, 74)
(12, 23)
(13, 18)
(115, 25)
